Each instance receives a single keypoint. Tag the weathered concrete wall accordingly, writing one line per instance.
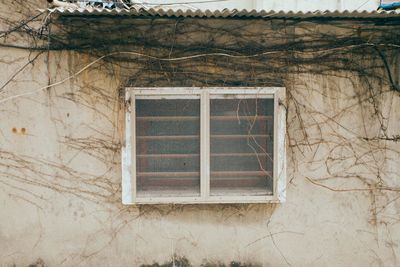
(60, 175)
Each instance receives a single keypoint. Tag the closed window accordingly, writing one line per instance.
(204, 145)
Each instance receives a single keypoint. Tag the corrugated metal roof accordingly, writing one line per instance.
(225, 13)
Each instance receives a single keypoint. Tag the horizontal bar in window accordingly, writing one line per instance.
(215, 174)
(197, 155)
(239, 173)
(169, 96)
(238, 154)
(250, 193)
(167, 174)
(168, 155)
(161, 137)
(193, 118)
(239, 136)
(151, 183)
(168, 118)
(240, 96)
(243, 183)
(239, 117)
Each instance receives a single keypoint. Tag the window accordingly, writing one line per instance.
(204, 145)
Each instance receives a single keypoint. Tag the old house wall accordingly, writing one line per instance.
(61, 132)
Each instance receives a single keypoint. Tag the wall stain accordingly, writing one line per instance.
(39, 263)
(21, 131)
(182, 261)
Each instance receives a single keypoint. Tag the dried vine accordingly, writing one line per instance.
(350, 134)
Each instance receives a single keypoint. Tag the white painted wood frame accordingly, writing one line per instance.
(129, 195)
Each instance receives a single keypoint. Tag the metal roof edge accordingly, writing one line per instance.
(225, 13)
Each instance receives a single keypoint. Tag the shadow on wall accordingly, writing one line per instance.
(181, 261)
(176, 261)
(214, 214)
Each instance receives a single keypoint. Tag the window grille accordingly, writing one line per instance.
(204, 145)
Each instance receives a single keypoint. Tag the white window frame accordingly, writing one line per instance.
(129, 195)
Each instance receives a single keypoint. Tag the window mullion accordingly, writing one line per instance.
(127, 151)
(133, 145)
(205, 144)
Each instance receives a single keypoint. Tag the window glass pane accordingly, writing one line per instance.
(168, 147)
(241, 146)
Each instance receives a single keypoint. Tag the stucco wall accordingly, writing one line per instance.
(60, 174)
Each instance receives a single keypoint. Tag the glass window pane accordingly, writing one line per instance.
(241, 146)
(168, 147)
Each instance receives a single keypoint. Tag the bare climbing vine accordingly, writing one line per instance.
(342, 91)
